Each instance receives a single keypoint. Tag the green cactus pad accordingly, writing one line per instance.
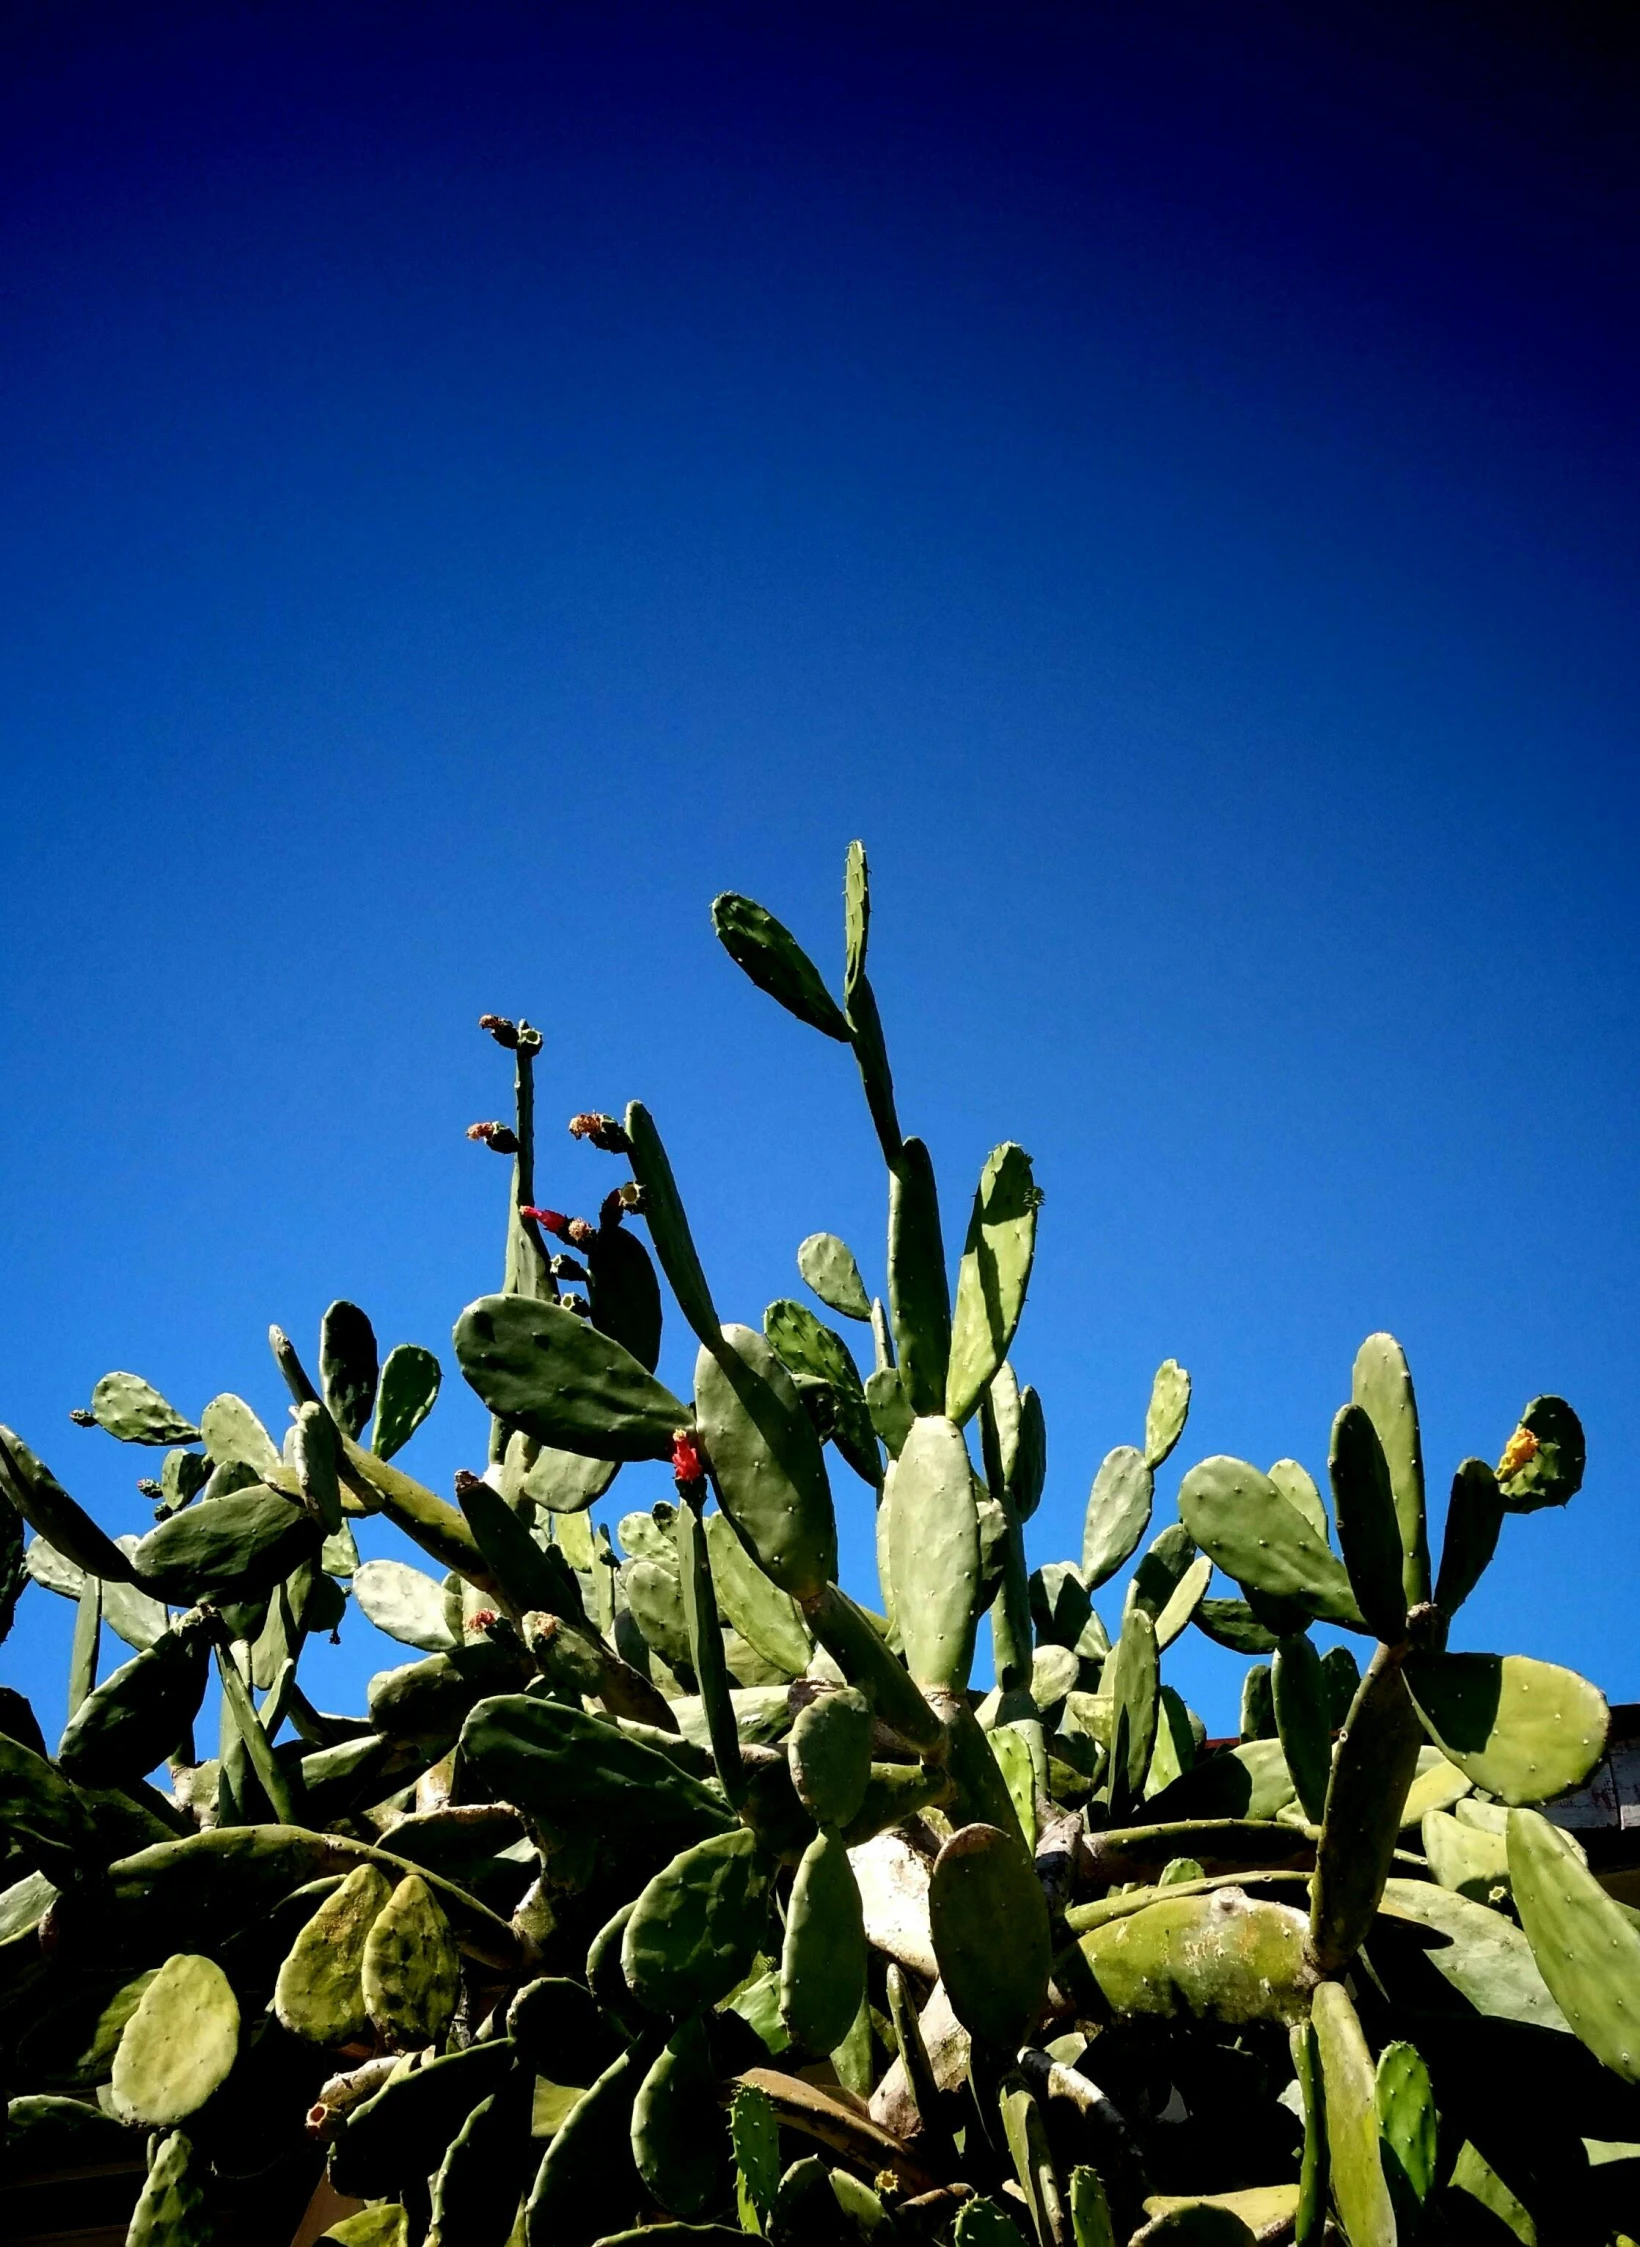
(823, 1958)
(1474, 1517)
(768, 953)
(1382, 1386)
(1222, 1956)
(319, 1994)
(680, 2140)
(531, 1577)
(705, 1650)
(130, 1409)
(572, 1773)
(1250, 1780)
(754, 2137)
(829, 1750)
(1350, 2090)
(544, 1370)
(981, 2223)
(1134, 1705)
(856, 1644)
(234, 1436)
(348, 1366)
(668, 1225)
(1091, 2224)
(405, 1395)
(133, 1720)
(1261, 1539)
(1437, 1786)
(828, 1267)
(589, 2161)
(992, 1276)
(766, 1460)
(625, 1294)
(179, 2044)
(383, 2224)
(989, 1924)
(697, 1926)
(487, 2165)
(1542, 1464)
(919, 1296)
(405, 1602)
(1469, 1862)
(1373, 1768)
(171, 2208)
(1260, 2212)
(1167, 1411)
(409, 1970)
(1585, 1944)
(1303, 1721)
(767, 1618)
(1369, 1533)
(227, 1548)
(1118, 1509)
(803, 1345)
(1232, 1623)
(1478, 1952)
(1523, 1730)
(397, 2133)
(1405, 2100)
(934, 1553)
(49, 1511)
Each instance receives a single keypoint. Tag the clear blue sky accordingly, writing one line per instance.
(479, 480)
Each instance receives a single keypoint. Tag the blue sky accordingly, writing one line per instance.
(480, 481)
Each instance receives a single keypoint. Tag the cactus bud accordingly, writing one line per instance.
(687, 1464)
(504, 1032)
(81, 1418)
(550, 1220)
(150, 1488)
(612, 1209)
(566, 1268)
(498, 1137)
(603, 1131)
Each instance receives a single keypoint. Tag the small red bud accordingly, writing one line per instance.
(481, 1618)
(687, 1464)
(504, 1032)
(496, 1136)
(550, 1220)
(81, 1418)
(578, 1232)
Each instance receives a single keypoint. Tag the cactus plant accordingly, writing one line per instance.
(673, 1893)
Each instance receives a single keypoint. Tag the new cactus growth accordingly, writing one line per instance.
(671, 1893)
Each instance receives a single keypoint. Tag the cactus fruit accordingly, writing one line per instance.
(611, 1914)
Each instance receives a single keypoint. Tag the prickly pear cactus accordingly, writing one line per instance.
(671, 1892)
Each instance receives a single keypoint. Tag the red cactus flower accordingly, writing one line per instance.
(687, 1464)
(550, 1220)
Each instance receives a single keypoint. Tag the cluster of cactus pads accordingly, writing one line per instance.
(672, 1894)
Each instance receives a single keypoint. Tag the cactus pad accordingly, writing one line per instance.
(179, 2044)
(1586, 1945)
(409, 1969)
(319, 1994)
(1523, 1730)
